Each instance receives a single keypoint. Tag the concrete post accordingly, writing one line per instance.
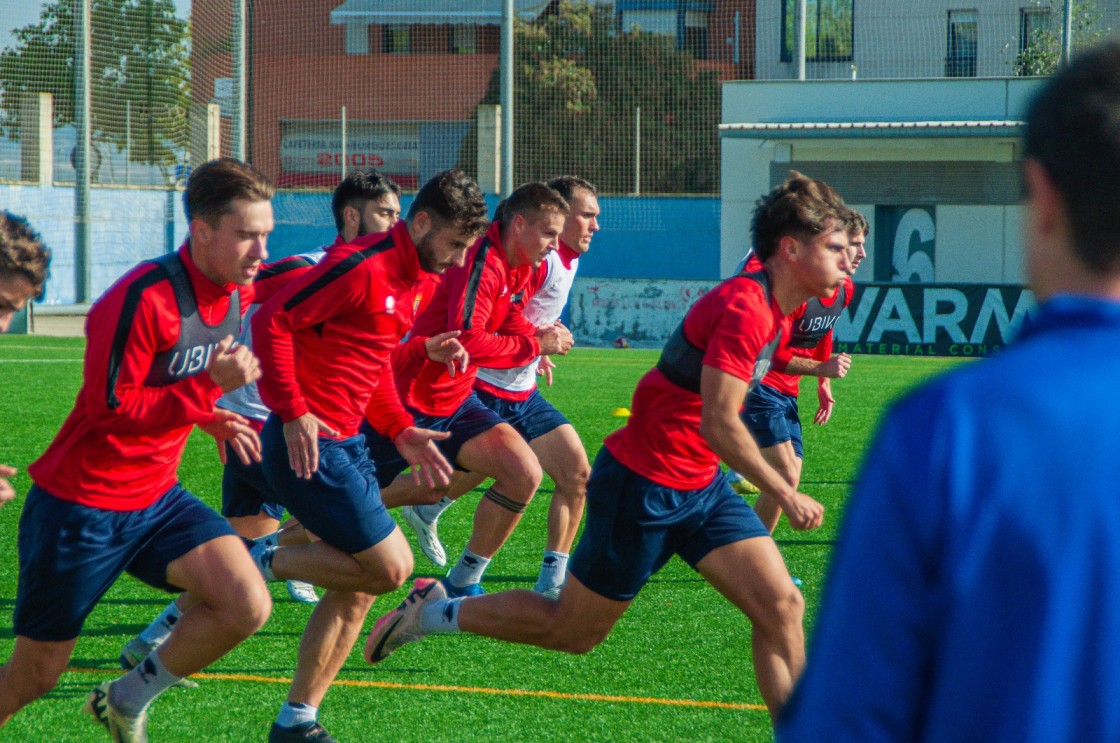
(37, 138)
(490, 148)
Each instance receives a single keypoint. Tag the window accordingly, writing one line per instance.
(828, 30)
(1034, 24)
(463, 39)
(357, 38)
(960, 57)
(397, 40)
(687, 22)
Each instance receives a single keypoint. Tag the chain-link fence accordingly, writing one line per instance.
(626, 93)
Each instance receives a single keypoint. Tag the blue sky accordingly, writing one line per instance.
(20, 13)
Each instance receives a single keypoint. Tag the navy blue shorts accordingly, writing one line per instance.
(772, 418)
(341, 503)
(532, 417)
(470, 420)
(245, 490)
(70, 554)
(634, 525)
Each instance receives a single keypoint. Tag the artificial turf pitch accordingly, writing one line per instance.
(676, 667)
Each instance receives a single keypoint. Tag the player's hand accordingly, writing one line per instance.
(446, 349)
(7, 492)
(418, 447)
(302, 436)
(232, 366)
(825, 400)
(803, 512)
(836, 367)
(554, 339)
(228, 427)
(544, 369)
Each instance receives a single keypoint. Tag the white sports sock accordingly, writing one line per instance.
(295, 713)
(440, 616)
(432, 512)
(554, 569)
(134, 691)
(156, 632)
(468, 569)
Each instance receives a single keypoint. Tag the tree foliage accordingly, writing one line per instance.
(1043, 50)
(139, 81)
(578, 80)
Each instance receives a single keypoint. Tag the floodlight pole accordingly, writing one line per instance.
(1067, 31)
(802, 12)
(240, 78)
(506, 185)
(82, 152)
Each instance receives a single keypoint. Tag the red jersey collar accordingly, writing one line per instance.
(567, 255)
(403, 248)
(205, 289)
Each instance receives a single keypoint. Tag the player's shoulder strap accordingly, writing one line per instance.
(682, 360)
(340, 269)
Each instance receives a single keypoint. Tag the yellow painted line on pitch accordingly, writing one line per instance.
(477, 690)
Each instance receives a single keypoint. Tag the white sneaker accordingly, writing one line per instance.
(122, 728)
(302, 592)
(136, 650)
(427, 535)
(402, 625)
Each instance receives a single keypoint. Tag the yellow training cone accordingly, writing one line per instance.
(621, 413)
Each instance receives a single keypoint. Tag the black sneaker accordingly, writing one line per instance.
(307, 731)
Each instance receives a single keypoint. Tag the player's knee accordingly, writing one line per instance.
(577, 643)
(572, 481)
(249, 614)
(396, 569)
(522, 477)
(786, 609)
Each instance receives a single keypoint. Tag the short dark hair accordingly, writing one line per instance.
(566, 185)
(452, 198)
(530, 200)
(213, 187)
(800, 207)
(1073, 131)
(857, 222)
(22, 251)
(360, 186)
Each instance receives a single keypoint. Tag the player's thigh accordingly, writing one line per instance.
(561, 454)
(783, 457)
(220, 572)
(501, 453)
(751, 574)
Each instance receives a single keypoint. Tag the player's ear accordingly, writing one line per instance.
(787, 246)
(201, 231)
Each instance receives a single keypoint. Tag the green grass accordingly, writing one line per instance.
(679, 643)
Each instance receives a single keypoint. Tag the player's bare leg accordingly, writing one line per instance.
(32, 670)
(751, 574)
(337, 620)
(563, 457)
(784, 459)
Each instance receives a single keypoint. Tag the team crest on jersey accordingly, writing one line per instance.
(389, 304)
(416, 303)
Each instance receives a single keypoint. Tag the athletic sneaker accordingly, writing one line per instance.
(302, 592)
(122, 729)
(427, 535)
(402, 625)
(136, 650)
(458, 592)
(307, 731)
(740, 484)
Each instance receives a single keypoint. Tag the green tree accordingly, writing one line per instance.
(1042, 53)
(578, 79)
(140, 72)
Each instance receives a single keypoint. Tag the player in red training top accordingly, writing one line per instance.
(23, 271)
(325, 342)
(478, 301)
(106, 497)
(513, 394)
(771, 413)
(364, 202)
(656, 488)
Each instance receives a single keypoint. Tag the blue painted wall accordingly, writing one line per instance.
(641, 237)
